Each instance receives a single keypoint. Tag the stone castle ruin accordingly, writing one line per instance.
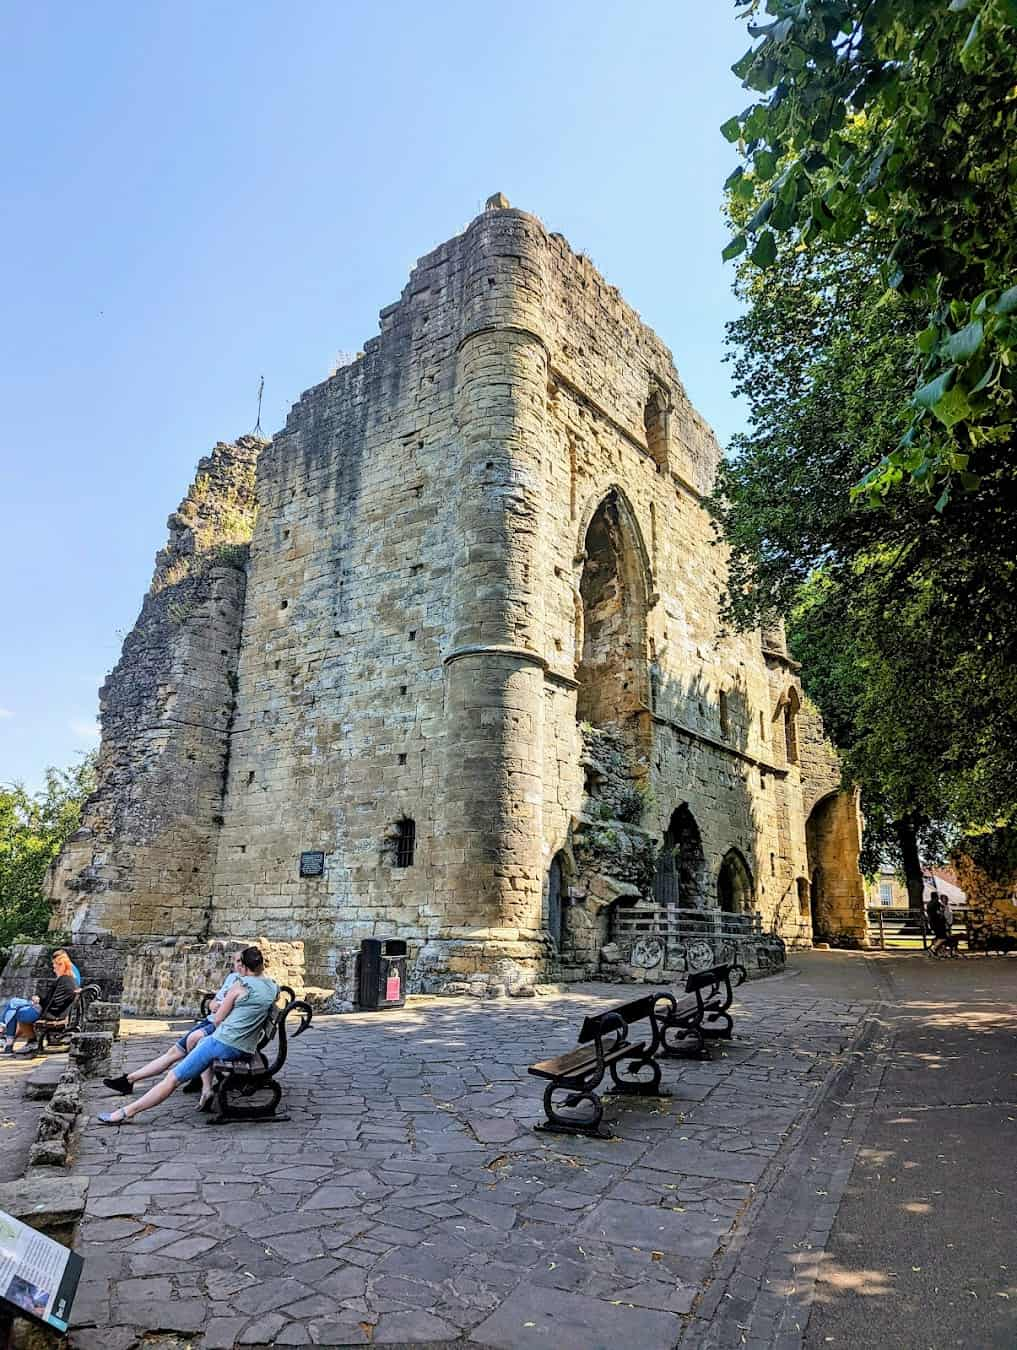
(444, 661)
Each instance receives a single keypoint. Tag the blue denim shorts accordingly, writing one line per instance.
(202, 1056)
(206, 1025)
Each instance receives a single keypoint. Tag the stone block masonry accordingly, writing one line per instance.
(485, 534)
(142, 862)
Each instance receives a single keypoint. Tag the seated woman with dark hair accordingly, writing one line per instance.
(238, 1022)
(54, 1007)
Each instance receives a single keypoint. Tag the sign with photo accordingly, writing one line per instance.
(38, 1277)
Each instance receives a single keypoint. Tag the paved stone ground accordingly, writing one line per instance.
(923, 1251)
(19, 1118)
(408, 1202)
(891, 1219)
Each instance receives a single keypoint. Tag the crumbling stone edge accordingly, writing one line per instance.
(58, 1123)
(89, 1057)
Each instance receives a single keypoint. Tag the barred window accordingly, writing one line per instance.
(405, 843)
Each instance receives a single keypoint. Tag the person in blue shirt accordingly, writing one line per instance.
(239, 1021)
(125, 1082)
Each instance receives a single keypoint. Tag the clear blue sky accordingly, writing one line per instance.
(201, 193)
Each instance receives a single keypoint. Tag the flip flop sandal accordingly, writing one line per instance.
(109, 1117)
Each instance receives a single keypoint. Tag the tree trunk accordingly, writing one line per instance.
(907, 837)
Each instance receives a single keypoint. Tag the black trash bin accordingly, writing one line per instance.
(381, 974)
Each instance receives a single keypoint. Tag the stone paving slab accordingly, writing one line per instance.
(19, 1115)
(409, 1202)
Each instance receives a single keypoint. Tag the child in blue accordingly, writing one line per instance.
(237, 1026)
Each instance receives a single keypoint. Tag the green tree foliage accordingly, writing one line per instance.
(895, 121)
(906, 627)
(32, 832)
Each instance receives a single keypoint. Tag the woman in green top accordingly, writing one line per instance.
(238, 1022)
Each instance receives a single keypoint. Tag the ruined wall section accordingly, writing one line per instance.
(833, 825)
(340, 695)
(604, 367)
(822, 771)
(141, 863)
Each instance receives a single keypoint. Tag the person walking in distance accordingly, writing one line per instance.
(937, 922)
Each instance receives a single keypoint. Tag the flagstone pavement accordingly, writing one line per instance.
(409, 1202)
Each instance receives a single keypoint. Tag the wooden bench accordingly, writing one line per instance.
(54, 1033)
(688, 1021)
(717, 1021)
(247, 1089)
(604, 1046)
(193, 1085)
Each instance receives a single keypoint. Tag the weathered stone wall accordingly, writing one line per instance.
(29, 969)
(833, 826)
(141, 863)
(991, 905)
(486, 530)
(168, 978)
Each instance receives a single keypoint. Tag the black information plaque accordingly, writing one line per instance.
(312, 864)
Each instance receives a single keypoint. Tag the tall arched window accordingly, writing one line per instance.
(803, 897)
(555, 900)
(790, 707)
(725, 714)
(612, 671)
(656, 416)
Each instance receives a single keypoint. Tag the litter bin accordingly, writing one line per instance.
(381, 974)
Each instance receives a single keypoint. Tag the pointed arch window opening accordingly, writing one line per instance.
(556, 890)
(678, 882)
(792, 704)
(656, 425)
(613, 669)
(735, 888)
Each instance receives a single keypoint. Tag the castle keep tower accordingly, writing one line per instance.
(467, 684)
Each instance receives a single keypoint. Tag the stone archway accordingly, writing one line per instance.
(832, 843)
(681, 866)
(612, 672)
(734, 885)
(556, 884)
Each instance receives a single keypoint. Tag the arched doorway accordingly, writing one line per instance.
(734, 884)
(832, 845)
(679, 878)
(612, 671)
(555, 900)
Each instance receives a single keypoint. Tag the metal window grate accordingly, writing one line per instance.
(405, 843)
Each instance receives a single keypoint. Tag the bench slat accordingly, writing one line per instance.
(581, 1059)
(634, 1011)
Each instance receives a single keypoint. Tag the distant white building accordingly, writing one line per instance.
(888, 891)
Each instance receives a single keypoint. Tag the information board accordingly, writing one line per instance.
(38, 1277)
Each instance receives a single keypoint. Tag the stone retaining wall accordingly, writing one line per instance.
(167, 978)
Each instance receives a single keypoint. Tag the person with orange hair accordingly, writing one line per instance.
(56, 1004)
